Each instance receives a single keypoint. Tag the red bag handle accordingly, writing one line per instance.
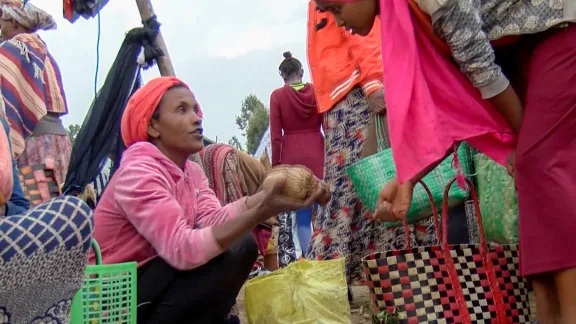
(434, 214)
(484, 252)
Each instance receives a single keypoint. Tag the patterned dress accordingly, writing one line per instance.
(43, 254)
(343, 228)
(54, 147)
(467, 25)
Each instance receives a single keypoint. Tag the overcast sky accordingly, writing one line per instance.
(224, 50)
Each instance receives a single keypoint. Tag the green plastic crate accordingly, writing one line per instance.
(108, 294)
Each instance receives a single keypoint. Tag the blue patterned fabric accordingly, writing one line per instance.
(43, 255)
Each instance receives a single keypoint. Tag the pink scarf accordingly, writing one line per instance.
(431, 104)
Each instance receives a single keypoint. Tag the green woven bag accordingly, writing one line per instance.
(498, 201)
(370, 174)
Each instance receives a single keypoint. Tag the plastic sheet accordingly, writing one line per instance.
(305, 292)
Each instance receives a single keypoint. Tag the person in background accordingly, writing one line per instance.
(296, 139)
(536, 98)
(193, 254)
(31, 87)
(43, 250)
(233, 174)
(347, 75)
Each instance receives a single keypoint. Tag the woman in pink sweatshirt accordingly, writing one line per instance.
(193, 254)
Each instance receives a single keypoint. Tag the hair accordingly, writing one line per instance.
(290, 66)
(323, 21)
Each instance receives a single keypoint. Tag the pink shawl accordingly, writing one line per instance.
(431, 104)
(222, 167)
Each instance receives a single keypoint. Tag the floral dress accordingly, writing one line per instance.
(343, 228)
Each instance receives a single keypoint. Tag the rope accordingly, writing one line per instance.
(97, 53)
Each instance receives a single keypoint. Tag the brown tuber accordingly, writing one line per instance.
(300, 182)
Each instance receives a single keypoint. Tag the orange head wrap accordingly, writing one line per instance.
(141, 107)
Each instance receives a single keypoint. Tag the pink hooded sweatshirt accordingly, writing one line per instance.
(152, 208)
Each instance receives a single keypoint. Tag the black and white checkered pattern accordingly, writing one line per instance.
(513, 286)
(418, 284)
(474, 282)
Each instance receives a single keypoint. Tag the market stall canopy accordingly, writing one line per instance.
(74, 9)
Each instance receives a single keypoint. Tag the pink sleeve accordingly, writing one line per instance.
(143, 193)
(275, 130)
(6, 176)
(210, 211)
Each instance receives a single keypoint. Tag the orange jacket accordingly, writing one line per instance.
(340, 61)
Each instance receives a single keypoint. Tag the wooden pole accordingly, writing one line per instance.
(164, 63)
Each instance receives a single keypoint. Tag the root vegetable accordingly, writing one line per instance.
(300, 182)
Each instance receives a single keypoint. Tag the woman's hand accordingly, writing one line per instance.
(272, 221)
(325, 193)
(509, 105)
(510, 164)
(276, 202)
(377, 102)
(394, 201)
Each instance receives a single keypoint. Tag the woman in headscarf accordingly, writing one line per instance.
(233, 174)
(43, 251)
(193, 254)
(517, 62)
(31, 88)
(296, 139)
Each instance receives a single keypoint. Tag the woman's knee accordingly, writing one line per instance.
(547, 306)
(244, 252)
(77, 215)
(63, 222)
(565, 282)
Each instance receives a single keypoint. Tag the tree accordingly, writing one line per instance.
(253, 121)
(250, 103)
(257, 126)
(235, 142)
(73, 131)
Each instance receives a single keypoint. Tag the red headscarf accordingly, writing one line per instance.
(141, 107)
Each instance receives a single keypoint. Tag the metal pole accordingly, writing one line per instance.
(164, 63)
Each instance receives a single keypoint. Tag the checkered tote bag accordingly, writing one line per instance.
(472, 283)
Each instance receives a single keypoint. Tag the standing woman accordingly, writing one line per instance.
(539, 105)
(31, 87)
(295, 131)
(347, 75)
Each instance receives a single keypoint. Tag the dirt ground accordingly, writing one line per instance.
(359, 307)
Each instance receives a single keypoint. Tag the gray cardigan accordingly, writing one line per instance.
(468, 26)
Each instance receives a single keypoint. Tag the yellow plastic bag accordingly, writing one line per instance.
(305, 292)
